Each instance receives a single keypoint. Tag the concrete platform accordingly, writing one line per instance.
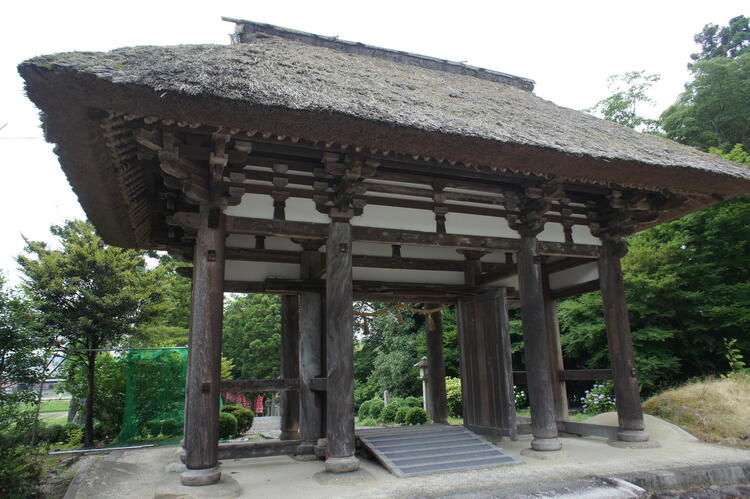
(142, 473)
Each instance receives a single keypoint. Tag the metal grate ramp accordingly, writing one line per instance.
(416, 450)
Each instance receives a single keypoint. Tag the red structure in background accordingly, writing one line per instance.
(236, 398)
(259, 404)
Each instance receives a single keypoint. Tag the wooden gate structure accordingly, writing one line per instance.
(329, 171)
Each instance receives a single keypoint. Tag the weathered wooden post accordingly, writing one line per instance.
(204, 357)
(627, 392)
(529, 223)
(559, 390)
(312, 339)
(290, 366)
(437, 405)
(340, 348)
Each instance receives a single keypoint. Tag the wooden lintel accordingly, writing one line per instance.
(586, 374)
(575, 290)
(310, 230)
(263, 449)
(260, 385)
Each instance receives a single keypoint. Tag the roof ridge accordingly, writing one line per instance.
(246, 31)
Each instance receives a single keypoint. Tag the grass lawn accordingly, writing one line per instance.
(55, 405)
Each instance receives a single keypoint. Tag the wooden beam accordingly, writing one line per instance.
(264, 449)
(310, 230)
(318, 384)
(260, 385)
(574, 290)
(586, 374)
(588, 429)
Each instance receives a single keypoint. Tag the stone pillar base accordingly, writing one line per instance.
(342, 464)
(197, 478)
(632, 436)
(546, 444)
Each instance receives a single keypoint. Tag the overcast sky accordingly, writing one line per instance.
(568, 47)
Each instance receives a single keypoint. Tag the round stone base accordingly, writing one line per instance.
(342, 464)
(544, 455)
(546, 444)
(196, 478)
(632, 436)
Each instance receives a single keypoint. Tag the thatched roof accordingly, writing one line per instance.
(299, 88)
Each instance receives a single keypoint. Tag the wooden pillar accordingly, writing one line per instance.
(627, 392)
(559, 390)
(311, 347)
(340, 348)
(289, 366)
(437, 403)
(536, 347)
(204, 355)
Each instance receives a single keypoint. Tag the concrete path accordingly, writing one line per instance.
(589, 462)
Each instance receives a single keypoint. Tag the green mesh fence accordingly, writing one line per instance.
(154, 390)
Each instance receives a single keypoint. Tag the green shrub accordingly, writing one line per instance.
(401, 414)
(227, 425)
(413, 401)
(522, 400)
(364, 410)
(364, 392)
(453, 393)
(74, 436)
(154, 427)
(376, 406)
(51, 434)
(19, 473)
(388, 414)
(368, 422)
(102, 431)
(244, 416)
(601, 398)
(170, 427)
(415, 416)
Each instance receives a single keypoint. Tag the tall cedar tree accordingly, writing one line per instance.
(91, 294)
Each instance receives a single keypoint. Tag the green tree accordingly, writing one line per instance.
(91, 294)
(732, 40)
(714, 110)
(630, 93)
(252, 336)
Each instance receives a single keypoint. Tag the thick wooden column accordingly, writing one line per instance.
(340, 348)
(559, 390)
(289, 366)
(311, 347)
(627, 392)
(204, 354)
(536, 347)
(437, 403)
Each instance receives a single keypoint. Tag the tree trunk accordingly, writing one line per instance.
(88, 438)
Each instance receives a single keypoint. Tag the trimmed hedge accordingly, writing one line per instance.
(227, 425)
(170, 427)
(416, 416)
(244, 416)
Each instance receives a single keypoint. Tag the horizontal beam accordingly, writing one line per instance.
(588, 429)
(310, 230)
(260, 385)
(585, 374)
(368, 261)
(575, 290)
(263, 449)
(519, 377)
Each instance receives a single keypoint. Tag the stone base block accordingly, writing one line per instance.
(197, 478)
(546, 444)
(226, 487)
(342, 464)
(289, 435)
(632, 436)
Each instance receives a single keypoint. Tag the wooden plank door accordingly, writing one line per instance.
(486, 367)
